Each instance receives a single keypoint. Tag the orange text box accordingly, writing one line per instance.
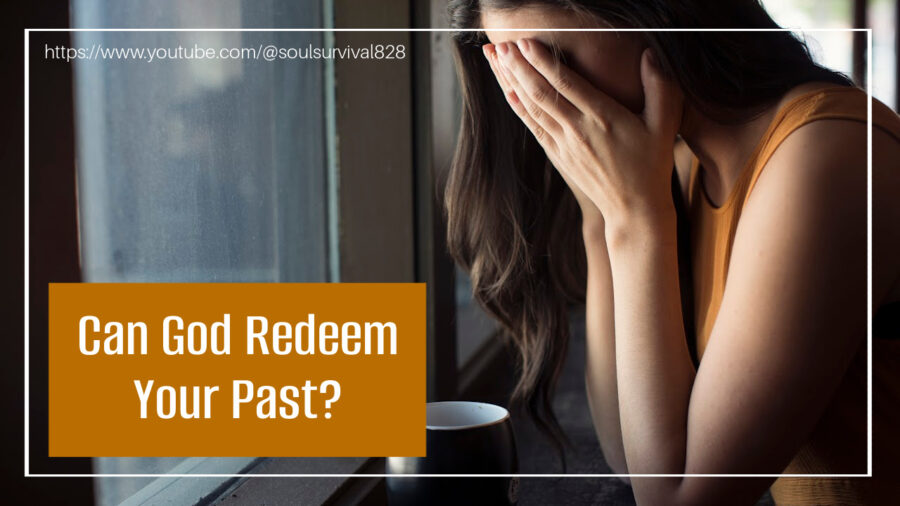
(223, 395)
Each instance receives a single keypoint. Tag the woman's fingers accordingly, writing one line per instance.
(525, 113)
(502, 75)
(662, 98)
(490, 55)
(576, 89)
(536, 88)
(538, 122)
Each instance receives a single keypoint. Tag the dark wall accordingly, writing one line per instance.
(52, 252)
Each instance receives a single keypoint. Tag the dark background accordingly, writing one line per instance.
(52, 218)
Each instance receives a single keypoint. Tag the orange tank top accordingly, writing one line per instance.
(838, 444)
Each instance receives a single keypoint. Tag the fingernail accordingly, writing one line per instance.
(502, 49)
(524, 45)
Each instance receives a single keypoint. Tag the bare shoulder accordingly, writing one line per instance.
(821, 153)
(822, 167)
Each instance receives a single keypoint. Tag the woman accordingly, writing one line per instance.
(726, 299)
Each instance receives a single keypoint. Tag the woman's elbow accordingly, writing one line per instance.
(616, 462)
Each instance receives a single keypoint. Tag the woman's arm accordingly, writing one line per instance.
(600, 367)
(654, 371)
(600, 363)
(791, 320)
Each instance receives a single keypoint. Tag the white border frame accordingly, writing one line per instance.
(868, 32)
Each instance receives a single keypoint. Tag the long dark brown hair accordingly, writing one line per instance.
(514, 225)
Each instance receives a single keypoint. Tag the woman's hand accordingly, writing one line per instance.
(592, 220)
(619, 161)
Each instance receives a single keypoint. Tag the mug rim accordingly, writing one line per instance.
(501, 419)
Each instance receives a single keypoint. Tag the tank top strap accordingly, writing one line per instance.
(846, 103)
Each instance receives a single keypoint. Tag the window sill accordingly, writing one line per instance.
(254, 489)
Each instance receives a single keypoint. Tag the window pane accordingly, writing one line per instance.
(835, 49)
(198, 170)
(883, 21)
(831, 49)
(811, 13)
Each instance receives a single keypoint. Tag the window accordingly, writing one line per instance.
(213, 170)
(198, 170)
(882, 18)
(833, 49)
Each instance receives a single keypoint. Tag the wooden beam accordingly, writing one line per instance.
(860, 10)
